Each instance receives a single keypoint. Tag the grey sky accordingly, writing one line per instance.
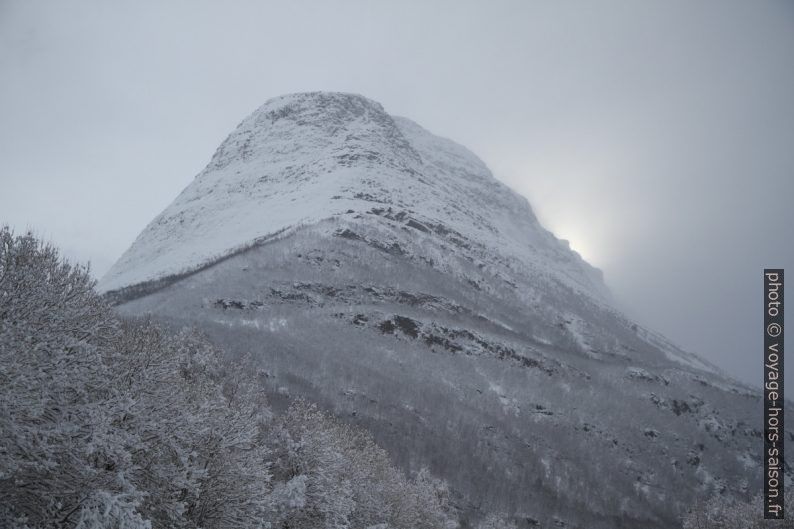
(657, 136)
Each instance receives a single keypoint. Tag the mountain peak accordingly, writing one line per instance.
(341, 105)
(344, 128)
(305, 158)
(355, 104)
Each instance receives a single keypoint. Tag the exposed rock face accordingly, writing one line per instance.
(384, 273)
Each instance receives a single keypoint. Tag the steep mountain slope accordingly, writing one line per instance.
(384, 273)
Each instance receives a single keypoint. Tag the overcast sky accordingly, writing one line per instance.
(658, 137)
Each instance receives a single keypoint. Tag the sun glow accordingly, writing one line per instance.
(576, 242)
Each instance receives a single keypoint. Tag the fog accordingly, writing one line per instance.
(657, 138)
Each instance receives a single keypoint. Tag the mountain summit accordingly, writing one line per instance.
(382, 272)
(304, 158)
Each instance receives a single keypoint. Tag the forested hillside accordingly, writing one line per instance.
(111, 423)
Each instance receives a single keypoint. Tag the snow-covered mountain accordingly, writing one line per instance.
(304, 158)
(383, 272)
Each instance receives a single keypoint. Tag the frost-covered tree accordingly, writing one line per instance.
(59, 449)
(338, 477)
(201, 455)
(111, 424)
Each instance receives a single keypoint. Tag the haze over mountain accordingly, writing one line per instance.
(383, 272)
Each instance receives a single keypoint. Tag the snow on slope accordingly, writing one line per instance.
(303, 158)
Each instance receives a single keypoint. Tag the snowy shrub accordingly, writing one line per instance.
(105, 510)
(494, 521)
(722, 512)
